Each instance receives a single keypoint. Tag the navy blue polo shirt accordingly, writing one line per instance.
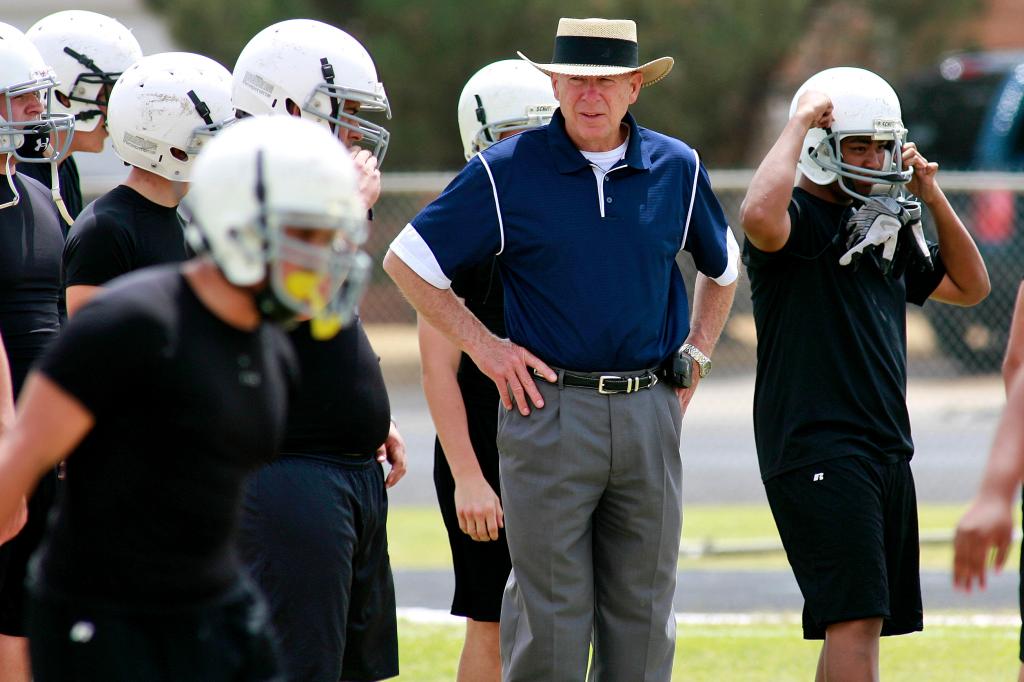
(588, 264)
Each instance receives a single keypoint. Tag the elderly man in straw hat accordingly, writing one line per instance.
(585, 217)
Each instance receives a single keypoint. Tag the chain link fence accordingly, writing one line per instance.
(943, 341)
(954, 394)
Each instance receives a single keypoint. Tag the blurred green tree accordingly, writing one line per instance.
(729, 54)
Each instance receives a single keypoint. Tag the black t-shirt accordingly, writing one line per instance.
(30, 246)
(70, 186)
(120, 232)
(185, 406)
(341, 408)
(831, 346)
(482, 291)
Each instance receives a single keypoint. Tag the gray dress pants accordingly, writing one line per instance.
(591, 486)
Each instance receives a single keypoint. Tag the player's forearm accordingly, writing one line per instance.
(440, 360)
(960, 256)
(711, 305)
(1004, 470)
(1014, 359)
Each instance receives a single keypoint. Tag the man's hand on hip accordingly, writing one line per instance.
(508, 366)
(685, 395)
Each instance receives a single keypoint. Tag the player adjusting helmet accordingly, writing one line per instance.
(87, 52)
(314, 68)
(863, 104)
(254, 182)
(23, 72)
(165, 108)
(506, 96)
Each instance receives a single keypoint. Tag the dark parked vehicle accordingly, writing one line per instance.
(968, 114)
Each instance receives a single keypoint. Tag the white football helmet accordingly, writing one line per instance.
(863, 104)
(259, 178)
(164, 108)
(505, 96)
(87, 52)
(317, 67)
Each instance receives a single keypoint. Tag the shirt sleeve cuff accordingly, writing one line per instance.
(414, 252)
(731, 260)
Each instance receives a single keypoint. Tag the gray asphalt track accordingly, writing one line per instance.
(741, 592)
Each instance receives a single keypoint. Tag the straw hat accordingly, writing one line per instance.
(600, 47)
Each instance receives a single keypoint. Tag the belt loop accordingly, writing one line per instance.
(561, 378)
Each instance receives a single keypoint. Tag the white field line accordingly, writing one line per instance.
(423, 616)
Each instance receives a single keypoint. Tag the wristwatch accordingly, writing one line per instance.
(703, 361)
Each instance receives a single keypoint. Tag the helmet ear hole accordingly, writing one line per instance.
(179, 154)
(292, 108)
(64, 100)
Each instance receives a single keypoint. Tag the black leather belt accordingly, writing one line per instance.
(608, 384)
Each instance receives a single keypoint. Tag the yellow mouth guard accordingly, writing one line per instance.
(305, 287)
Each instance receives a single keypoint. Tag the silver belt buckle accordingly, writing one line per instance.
(600, 384)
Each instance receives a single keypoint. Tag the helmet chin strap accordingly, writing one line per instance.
(9, 171)
(57, 198)
(327, 70)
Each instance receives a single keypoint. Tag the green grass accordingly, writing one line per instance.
(417, 538)
(755, 653)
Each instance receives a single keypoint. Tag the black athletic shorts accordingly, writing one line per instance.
(227, 641)
(314, 538)
(481, 568)
(14, 556)
(849, 527)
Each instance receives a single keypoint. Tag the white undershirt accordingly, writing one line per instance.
(605, 161)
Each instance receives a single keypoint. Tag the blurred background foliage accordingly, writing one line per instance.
(733, 57)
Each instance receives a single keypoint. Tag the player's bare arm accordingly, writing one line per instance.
(988, 522)
(476, 504)
(505, 363)
(1014, 359)
(78, 295)
(764, 211)
(6, 392)
(966, 281)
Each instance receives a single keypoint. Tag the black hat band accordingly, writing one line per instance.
(596, 51)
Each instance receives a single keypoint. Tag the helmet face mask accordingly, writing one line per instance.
(13, 132)
(327, 102)
(307, 278)
(864, 105)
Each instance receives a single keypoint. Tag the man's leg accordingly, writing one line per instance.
(297, 537)
(14, 665)
(554, 466)
(480, 661)
(851, 651)
(636, 540)
(832, 520)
